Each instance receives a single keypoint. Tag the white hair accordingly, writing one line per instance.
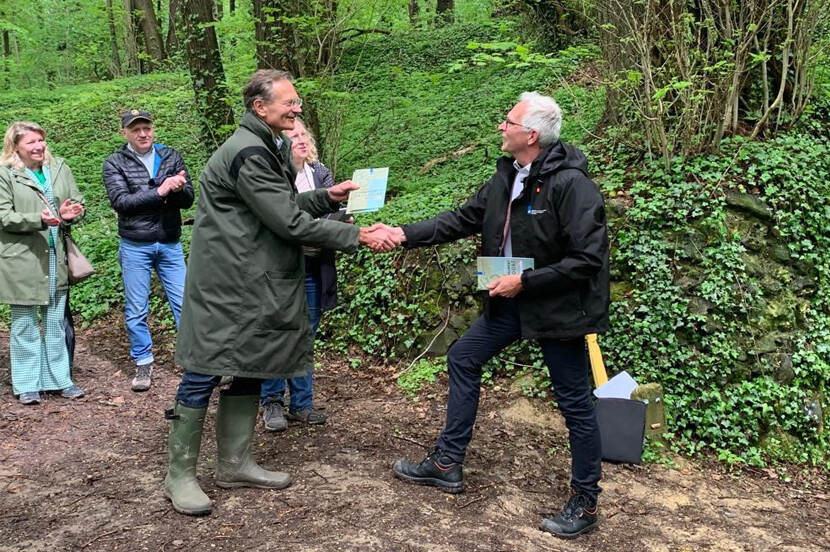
(543, 115)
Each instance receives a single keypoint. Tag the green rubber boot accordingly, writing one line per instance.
(183, 442)
(235, 467)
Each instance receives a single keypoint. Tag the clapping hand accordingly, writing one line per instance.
(173, 183)
(70, 210)
(340, 192)
(48, 218)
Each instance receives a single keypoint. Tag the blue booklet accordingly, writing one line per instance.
(490, 268)
(372, 193)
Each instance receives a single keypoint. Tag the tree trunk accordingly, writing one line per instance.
(130, 40)
(206, 71)
(445, 10)
(7, 53)
(275, 47)
(152, 31)
(172, 42)
(116, 59)
(231, 6)
(414, 9)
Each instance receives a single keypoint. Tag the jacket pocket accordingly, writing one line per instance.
(282, 302)
(11, 250)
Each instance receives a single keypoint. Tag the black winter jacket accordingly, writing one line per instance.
(559, 221)
(143, 215)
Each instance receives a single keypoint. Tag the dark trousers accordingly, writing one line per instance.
(567, 364)
(195, 389)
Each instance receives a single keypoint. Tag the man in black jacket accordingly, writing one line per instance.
(147, 185)
(541, 204)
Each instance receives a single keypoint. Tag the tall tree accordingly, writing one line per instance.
(172, 41)
(231, 6)
(445, 9)
(206, 72)
(275, 47)
(7, 51)
(130, 41)
(152, 31)
(116, 59)
(414, 8)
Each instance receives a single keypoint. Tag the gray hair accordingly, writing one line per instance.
(261, 86)
(543, 115)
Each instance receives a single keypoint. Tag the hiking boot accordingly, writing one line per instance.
(143, 377)
(72, 392)
(235, 467)
(436, 470)
(29, 398)
(273, 417)
(577, 517)
(308, 416)
(183, 443)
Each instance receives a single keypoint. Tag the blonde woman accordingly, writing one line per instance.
(38, 198)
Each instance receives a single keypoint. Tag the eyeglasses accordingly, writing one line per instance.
(294, 102)
(508, 122)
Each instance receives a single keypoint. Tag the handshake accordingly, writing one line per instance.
(381, 238)
(378, 237)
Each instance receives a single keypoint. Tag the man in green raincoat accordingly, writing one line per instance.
(244, 312)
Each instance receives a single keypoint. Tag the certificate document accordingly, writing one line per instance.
(372, 193)
(490, 268)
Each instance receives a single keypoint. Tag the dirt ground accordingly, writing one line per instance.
(86, 475)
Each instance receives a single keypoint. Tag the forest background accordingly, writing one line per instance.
(705, 123)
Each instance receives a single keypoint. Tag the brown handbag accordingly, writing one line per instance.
(78, 267)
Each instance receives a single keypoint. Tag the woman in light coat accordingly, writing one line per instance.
(38, 199)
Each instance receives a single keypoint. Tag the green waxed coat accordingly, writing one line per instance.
(244, 312)
(24, 239)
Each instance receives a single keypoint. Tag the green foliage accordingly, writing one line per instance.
(422, 372)
(721, 395)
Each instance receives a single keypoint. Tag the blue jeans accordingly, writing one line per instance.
(567, 364)
(301, 387)
(138, 259)
(195, 389)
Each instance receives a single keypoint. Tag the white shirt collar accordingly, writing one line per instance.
(525, 169)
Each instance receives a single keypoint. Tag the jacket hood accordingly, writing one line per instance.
(558, 157)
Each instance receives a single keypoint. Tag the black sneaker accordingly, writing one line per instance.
(579, 516)
(310, 416)
(436, 470)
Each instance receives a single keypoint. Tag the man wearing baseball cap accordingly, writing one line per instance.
(148, 186)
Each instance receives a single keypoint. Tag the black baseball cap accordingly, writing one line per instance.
(129, 117)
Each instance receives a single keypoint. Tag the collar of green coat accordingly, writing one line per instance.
(52, 168)
(256, 125)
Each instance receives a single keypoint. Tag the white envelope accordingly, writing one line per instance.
(618, 387)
